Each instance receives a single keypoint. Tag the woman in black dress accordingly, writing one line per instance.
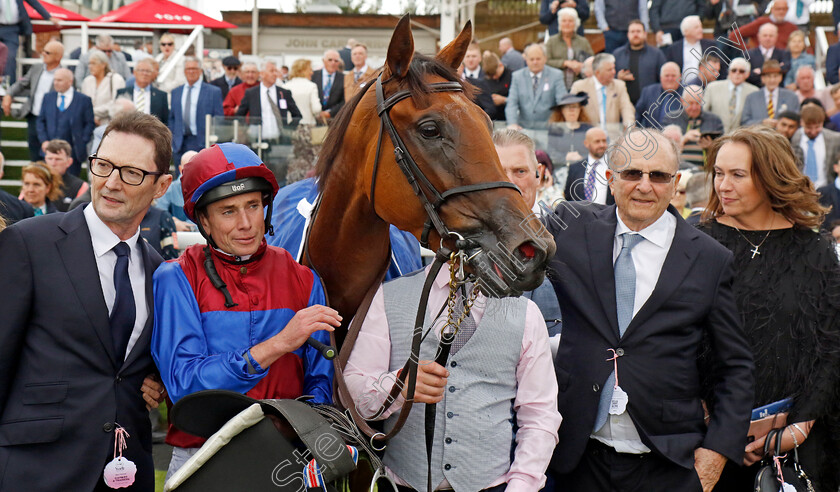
(787, 286)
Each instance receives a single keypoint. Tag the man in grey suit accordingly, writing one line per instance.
(116, 60)
(726, 98)
(34, 85)
(820, 147)
(511, 58)
(763, 106)
(534, 90)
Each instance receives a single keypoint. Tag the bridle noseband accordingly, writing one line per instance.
(429, 196)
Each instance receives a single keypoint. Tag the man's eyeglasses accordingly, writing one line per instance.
(660, 177)
(167, 44)
(108, 51)
(130, 175)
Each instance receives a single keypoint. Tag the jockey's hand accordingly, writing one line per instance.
(431, 381)
(306, 322)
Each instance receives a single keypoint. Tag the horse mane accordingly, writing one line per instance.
(420, 68)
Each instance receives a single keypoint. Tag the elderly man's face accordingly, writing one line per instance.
(694, 32)
(63, 80)
(767, 37)
(192, 72)
(143, 74)
(250, 74)
(779, 9)
(535, 59)
(331, 61)
(805, 80)
(640, 203)
(519, 164)
(738, 74)
(605, 73)
(692, 104)
(670, 78)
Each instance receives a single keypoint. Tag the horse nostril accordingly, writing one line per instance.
(527, 251)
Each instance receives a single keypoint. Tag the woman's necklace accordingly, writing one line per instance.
(755, 251)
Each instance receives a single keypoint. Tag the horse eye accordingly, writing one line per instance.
(429, 130)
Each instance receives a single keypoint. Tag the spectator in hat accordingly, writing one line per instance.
(767, 49)
(765, 104)
(231, 76)
(567, 128)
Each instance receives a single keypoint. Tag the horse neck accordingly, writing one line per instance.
(348, 244)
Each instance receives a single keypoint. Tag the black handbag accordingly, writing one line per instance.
(781, 473)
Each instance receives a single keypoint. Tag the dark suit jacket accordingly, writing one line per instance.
(221, 83)
(336, 99)
(61, 385)
(159, 106)
(13, 209)
(74, 125)
(209, 102)
(674, 52)
(575, 183)
(550, 20)
(692, 299)
(654, 102)
(250, 105)
(24, 22)
(830, 197)
(832, 63)
(757, 60)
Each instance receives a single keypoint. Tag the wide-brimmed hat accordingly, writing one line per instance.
(771, 66)
(581, 98)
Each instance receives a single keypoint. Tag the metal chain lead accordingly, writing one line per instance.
(456, 278)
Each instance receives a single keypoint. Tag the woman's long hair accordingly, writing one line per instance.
(774, 174)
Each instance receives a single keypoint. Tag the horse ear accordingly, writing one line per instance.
(453, 53)
(400, 50)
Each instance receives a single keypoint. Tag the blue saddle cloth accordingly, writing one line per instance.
(290, 217)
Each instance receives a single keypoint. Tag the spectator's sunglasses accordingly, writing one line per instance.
(737, 70)
(659, 177)
(167, 44)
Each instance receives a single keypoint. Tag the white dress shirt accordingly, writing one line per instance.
(767, 53)
(819, 150)
(45, 84)
(10, 16)
(268, 96)
(648, 258)
(473, 73)
(690, 60)
(68, 98)
(104, 240)
(601, 183)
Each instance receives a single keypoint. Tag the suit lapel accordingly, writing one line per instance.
(600, 235)
(680, 257)
(76, 252)
(146, 334)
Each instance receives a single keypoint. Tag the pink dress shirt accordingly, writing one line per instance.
(536, 397)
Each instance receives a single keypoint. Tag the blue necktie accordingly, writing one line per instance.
(124, 311)
(811, 162)
(327, 88)
(61, 104)
(604, 106)
(188, 112)
(625, 295)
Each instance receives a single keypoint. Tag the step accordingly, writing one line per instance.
(16, 163)
(13, 124)
(14, 143)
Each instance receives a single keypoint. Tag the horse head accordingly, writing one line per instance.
(450, 139)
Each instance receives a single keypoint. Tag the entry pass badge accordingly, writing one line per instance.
(546, 87)
(119, 473)
(283, 104)
(786, 487)
(618, 404)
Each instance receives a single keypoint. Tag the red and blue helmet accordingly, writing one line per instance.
(223, 171)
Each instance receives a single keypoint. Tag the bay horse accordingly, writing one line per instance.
(363, 187)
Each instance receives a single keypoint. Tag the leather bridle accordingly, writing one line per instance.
(429, 196)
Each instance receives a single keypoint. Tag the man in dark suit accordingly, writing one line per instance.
(688, 51)
(832, 63)
(330, 82)
(146, 97)
(830, 197)
(587, 179)
(11, 208)
(277, 126)
(766, 50)
(231, 76)
(658, 99)
(191, 103)
(72, 365)
(647, 290)
(34, 86)
(14, 23)
(66, 114)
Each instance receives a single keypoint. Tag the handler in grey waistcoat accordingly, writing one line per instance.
(499, 372)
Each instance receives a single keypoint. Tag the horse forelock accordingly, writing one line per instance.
(422, 69)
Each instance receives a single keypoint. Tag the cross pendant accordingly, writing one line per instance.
(754, 252)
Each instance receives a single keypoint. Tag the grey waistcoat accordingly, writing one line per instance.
(474, 422)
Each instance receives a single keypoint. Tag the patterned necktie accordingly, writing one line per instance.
(187, 112)
(61, 106)
(589, 184)
(327, 87)
(124, 311)
(356, 75)
(625, 296)
(467, 328)
(536, 83)
(771, 112)
(140, 101)
(733, 101)
(811, 162)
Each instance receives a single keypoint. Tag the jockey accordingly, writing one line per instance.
(235, 314)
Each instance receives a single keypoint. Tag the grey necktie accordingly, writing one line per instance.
(467, 326)
(274, 108)
(188, 111)
(625, 295)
